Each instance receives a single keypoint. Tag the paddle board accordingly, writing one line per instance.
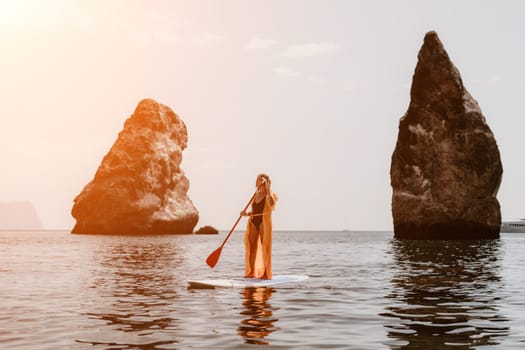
(246, 282)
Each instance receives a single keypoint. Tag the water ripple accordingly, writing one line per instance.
(445, 294)
(366, 291)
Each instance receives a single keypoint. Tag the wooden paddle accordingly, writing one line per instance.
(216, 254)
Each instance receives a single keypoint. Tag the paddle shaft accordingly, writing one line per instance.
(238, 219)
(213, 258)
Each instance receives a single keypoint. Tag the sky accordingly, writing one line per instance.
(310, 92)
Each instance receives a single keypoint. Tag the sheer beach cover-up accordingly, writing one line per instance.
(262, 267)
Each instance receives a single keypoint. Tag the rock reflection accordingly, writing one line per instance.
(260, 320)
(445, 294)
(135, 285)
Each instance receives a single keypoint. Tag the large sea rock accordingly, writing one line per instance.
(446, 168)
(139, 188)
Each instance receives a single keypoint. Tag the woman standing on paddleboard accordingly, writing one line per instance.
(258, 237)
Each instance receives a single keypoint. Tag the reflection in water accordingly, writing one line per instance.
(259, 313)
(445, 294)
(136, 291)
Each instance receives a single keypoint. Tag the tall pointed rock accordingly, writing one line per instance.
(446, 169)
(139, 188)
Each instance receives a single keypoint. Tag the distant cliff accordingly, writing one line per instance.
(139, 188)
(446, 168)
(19, 216)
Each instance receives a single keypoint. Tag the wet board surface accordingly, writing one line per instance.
(246, 282)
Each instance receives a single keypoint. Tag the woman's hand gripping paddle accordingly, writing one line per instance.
(216, 254)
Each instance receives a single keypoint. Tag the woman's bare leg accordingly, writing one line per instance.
(253, 238)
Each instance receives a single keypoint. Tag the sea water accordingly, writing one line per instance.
(366, 290)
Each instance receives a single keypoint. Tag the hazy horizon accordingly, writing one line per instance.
(309, 92)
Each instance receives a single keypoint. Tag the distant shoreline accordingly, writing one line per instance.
(506, 230)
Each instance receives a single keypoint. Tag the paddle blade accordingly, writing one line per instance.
(214, 257)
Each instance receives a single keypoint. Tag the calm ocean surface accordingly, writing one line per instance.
(366, 291)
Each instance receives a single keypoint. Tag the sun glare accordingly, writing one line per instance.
(16, 14)
(13, 12)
